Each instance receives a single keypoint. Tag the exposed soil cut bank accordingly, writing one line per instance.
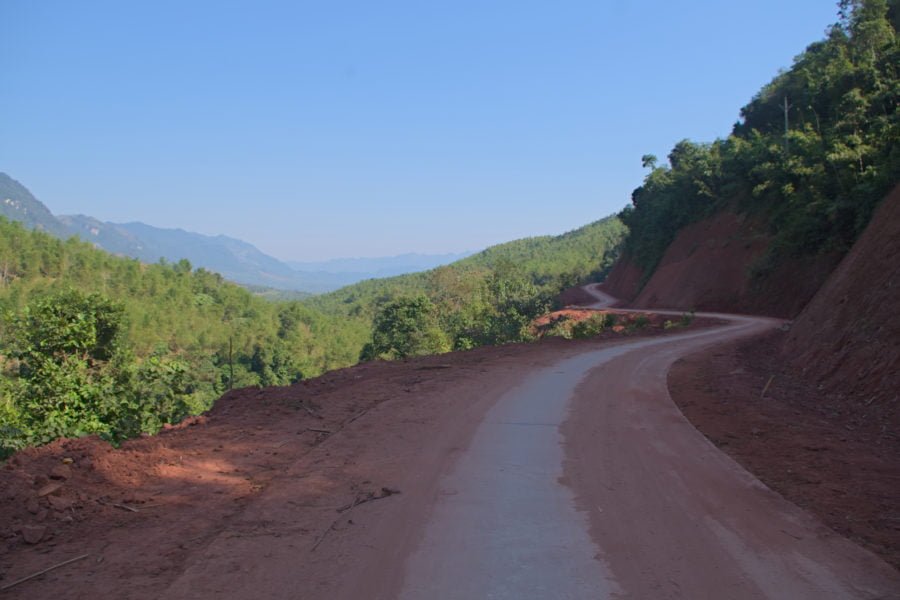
(709, 267)
(846, 342)
(826, 433)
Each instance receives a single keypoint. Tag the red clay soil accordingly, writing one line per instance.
(263, 467)
(624, 280)
(846, 342)
(826, 433)
(708, 268)
(574, 296)
(796, 439)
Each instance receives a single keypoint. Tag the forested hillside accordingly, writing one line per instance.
(813, 152)
(93, 343)
(487, 298)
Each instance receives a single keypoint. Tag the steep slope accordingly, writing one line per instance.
(757, 220)
(232, 258)
(847, 340)
(108, 236)
(813, 411)
(19, 204)
(711, 265)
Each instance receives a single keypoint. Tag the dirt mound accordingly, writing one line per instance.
(847, 340)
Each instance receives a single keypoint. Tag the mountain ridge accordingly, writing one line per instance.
(233, 258)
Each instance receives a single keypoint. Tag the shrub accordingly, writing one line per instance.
(560, 328)
(593, 325)
(406, 327)
(640, 322)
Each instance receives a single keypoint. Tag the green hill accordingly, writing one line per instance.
(489, 297)
(95, 343)
(814, 151)
(176, 339)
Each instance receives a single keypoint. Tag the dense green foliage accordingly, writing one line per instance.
(817, 182)
(487, 298)
(551, 262)
(406, 327)
(93, 343)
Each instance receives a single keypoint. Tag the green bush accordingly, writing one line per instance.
(685, 320)
(593, 325)
(406, 327)
(560, 328)
(639, 322)
(72, 375)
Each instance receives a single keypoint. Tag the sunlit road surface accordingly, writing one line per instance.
(625, 500)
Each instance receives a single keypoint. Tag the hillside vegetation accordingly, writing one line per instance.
(487, 298)
(813, 153)
(93, 343)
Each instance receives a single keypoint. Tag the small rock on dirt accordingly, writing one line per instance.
(61, 472)
(59, 503)
(33, 534)
(50, 488)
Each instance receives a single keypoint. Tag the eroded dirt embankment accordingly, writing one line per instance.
(826, 432)
(709, 266)
(846, 342)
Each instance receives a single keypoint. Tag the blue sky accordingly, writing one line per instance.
(330, 129)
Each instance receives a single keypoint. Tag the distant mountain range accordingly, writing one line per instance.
(386, 266)
(234, 259)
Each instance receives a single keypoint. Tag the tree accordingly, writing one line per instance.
(406, 327)
(66, 346)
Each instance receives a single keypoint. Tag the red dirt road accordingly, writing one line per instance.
(680, 519)
(476, 461)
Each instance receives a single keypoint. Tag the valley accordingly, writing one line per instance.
(695, 397)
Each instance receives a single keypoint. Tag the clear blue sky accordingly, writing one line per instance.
(327, 129)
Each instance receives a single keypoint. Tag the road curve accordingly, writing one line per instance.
(585, 481)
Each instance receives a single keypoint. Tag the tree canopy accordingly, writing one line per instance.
(813, 152)
(93, 343)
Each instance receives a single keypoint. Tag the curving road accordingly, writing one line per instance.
(585, 481)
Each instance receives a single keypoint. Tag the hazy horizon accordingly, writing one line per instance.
(361, 130)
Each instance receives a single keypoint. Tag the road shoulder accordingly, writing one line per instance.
(794, 439)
